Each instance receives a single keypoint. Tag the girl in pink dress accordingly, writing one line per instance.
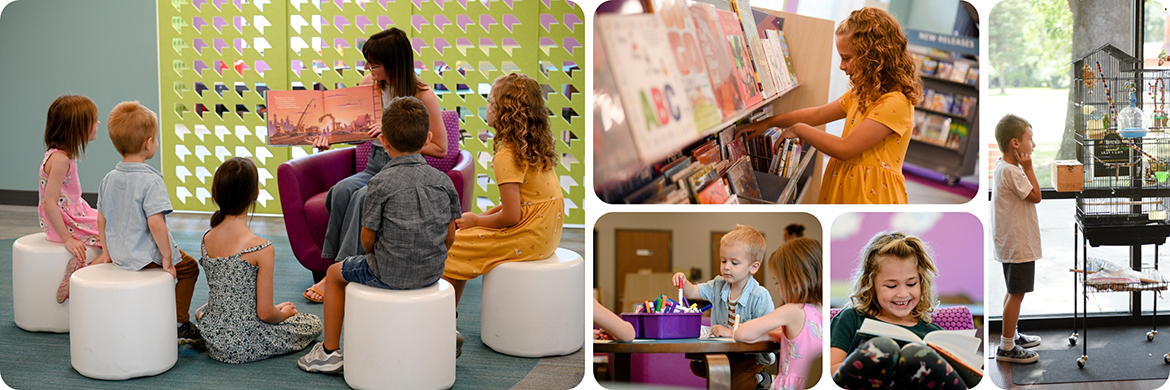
(797, 325)
(64, 216)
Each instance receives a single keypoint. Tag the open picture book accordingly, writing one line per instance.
(299, 117)
(960, 348)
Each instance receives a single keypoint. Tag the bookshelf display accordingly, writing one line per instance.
(946, 122)
(630, 170)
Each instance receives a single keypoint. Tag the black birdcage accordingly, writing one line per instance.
(1120, 122)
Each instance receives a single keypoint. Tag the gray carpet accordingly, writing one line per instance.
(41, 360)
(1120, 353)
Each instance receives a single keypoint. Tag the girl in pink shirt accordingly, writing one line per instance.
(797, 325)
(64, 216)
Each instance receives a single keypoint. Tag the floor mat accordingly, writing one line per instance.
(1115, 353)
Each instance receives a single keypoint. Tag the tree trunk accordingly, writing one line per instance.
(1095, 23)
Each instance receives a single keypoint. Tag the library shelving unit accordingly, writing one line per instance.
(954, 157)
(617, 167)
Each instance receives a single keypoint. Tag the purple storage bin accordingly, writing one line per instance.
(634, 319)
(671, 325)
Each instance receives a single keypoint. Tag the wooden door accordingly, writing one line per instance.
(639, 250)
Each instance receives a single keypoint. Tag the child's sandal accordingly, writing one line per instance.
(63, 290)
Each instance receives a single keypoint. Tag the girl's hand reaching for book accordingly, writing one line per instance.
(750, 130)
(786, 134)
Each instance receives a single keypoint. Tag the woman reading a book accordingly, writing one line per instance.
(866, 160)
(390, 63)
(893, 284)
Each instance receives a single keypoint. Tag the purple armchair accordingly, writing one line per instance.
(303, 183)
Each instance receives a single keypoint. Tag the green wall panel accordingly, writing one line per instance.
(460, 48)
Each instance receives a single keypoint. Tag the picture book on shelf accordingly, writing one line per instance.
(714, 193)
(747, 21)
(743, 179)
(614, 155)
(957, 137)
(944, 69)
(772, 58)
(960, 348)
(935, 129)
(959, 73)
(736, 150)
(299, 117)
(658, 113)
(720, 67)
(684, 46)
(973, 76)
(776, 61)
(745, 77)
(783, 42)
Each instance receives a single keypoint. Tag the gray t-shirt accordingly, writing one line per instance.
(410, 204)
(127, 196)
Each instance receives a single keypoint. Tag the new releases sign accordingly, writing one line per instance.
(961, 44)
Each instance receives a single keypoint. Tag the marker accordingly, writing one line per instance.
(704, 308)
(680, 291)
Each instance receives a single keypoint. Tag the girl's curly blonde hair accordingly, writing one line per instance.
(893, 245)
(521, 122)
(881, 63)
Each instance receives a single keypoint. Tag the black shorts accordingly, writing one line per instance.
(1019, 277)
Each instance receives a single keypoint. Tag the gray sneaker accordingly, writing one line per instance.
(318, 361)
(1027, 341)
(1017, 355)
(458, 344)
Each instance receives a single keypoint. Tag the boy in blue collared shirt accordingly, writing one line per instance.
(406, 243)
(132, 207)
(735, 293)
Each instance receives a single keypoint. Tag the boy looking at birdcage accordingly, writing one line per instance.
(1016, 230)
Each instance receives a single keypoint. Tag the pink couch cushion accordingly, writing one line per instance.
(316, 217)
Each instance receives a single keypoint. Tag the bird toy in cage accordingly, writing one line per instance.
(1158, 95)
(1087, 77)
(1108, 96)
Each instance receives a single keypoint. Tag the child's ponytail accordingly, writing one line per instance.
(234, 188)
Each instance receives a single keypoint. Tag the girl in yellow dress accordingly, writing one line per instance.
(866, 160)
(526, 225)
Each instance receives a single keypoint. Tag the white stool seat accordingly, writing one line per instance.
(535, 308)
(399, 338)
(37, 268)
(123, 322)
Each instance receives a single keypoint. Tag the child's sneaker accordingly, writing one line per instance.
(458, 344)
(1017, 355)
(318, 361)
(763, 381)
(189, 334)
(1027, 341)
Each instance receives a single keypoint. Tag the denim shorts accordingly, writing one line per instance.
(355, 270)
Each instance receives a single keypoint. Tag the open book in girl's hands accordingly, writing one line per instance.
(344, 115)
(960, 348)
